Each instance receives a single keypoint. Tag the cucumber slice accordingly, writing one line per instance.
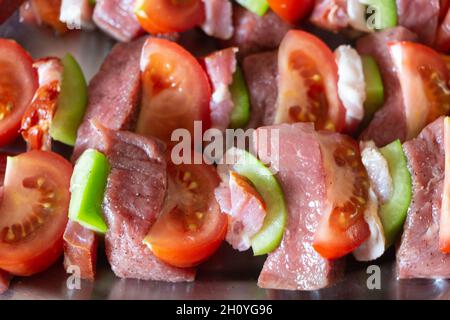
(92, 2)
(374, 88)
(87, 188)
(259, 7)
(71, 103)
(271, 233)
(239, 93)
(382, 14)
(393, 213)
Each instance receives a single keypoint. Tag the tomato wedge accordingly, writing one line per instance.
(176, 90)
(343, 228)
(307, 86)
(191, 226)
(163, 16)
(292, 11)
(424, 82)
(33, 212)
(18, 83)
(444, 226)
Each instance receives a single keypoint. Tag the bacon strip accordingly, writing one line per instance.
(220, 67)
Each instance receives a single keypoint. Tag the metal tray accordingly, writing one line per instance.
(227, 275)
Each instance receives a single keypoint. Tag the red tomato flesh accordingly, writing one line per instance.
(38, 116)
(191, 227)
(344, 228)
(33, 212)
(292, 11)
(424, 77)
(163, 16)
(308, 83)
(176, 90)
(18, 83)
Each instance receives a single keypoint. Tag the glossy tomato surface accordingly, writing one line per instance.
(176, 91)
(18, 83)
(191, 227)
(424, 77)
(33, 211)
(292, 11)
(343, 228)
(163, 16)
(308, 77)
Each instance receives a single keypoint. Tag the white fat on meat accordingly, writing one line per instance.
(374, 246)
(351, 83)
(377, 168)
(77, 14)
(49, 70)
(356, 12)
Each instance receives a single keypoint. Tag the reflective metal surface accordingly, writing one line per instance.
(229, 274)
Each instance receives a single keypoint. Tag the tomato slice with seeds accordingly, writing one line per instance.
(38, 117)
(191, 227)
(176, 91)
(307, 86)
(424, 80)
(33, 212)
(292, 11)
(18, 83)
(343, 228)
(163, 16)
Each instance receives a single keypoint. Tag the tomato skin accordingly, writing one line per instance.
(343, 243)
(424, 82)
(171, 238)
(164, 16)
(171, 99)
(43, 245)
(343, 228)
(190, 257)
(20, 81)
(292, 11)
(301, 52)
